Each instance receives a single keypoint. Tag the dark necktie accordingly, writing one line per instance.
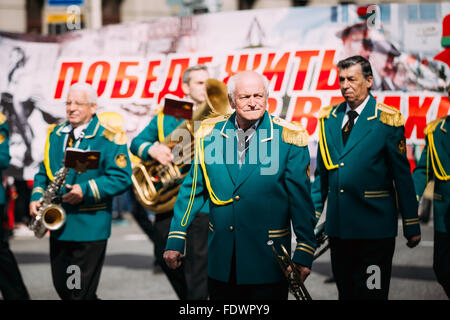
(70, 139)
(349, 125)
(244, 143)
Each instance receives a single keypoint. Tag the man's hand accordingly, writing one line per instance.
(414, 241)
(173, 258)
(304, 271)
(74, 196)
(161, 153)
(34, 208)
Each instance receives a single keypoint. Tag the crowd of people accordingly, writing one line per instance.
(249, 183)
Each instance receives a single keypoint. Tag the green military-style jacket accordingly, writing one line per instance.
(4, 152)
(435, 161)
(159, 127)
(364, 180)
(90, 220)
(316, 195)
(249, 205)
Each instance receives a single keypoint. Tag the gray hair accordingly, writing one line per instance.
(87, 88)
(231, 86)
(187, 74)
(366, 69)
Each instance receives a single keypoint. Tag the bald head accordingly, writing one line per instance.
(231, 85)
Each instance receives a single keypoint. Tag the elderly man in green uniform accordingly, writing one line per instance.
(190, 282)
(432, 175)
(78, 247)
(11, 283)
(365, 176)
(252, 168)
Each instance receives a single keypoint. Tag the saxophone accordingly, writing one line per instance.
(51, 215)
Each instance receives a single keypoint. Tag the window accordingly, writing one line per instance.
(422, 12)
(344, 13)
(334, 14)
(385, 12)
(427, 11)
(34, 16)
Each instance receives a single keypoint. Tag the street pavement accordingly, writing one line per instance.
(128, 272)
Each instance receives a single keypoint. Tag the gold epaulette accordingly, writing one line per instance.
(293, 132)
(431, 127)
(2, 118)
(208, 125)
(115, 135)
(52, 126)
(158, 110)
(390, 115)
(325, 111)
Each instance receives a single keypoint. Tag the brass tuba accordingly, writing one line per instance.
(155, 185)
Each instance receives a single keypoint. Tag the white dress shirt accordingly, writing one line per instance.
(358, 109)
(78, 132)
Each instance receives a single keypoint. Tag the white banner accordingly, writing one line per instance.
(134, 65)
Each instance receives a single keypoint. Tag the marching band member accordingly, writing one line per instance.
(363, 173)
(191, 281)
(432, 171)
(86, 197)
(253, 171)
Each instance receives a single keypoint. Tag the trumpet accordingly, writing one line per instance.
(296, 286)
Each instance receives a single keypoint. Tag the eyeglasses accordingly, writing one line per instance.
(77, 103)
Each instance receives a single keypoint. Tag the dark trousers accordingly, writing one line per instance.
(21, 208)
(362, 267)
(71, 259)
(176, 277)
(219, 290)
(11, 282)
(196, 258)
(441, 260)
